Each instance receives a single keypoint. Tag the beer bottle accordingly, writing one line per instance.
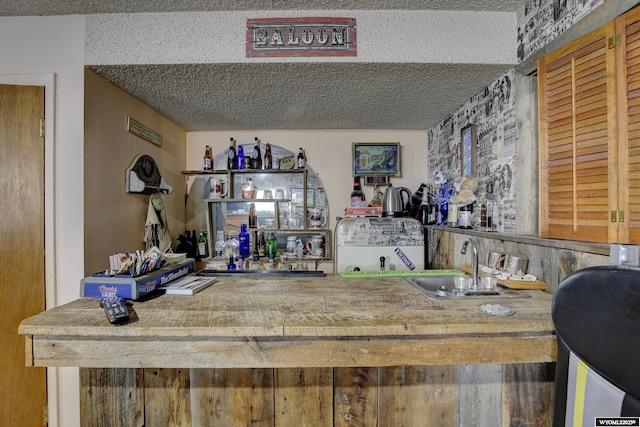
(208, 162)
(268, 158)
(257, 157)
(231, 160)
(253, 216)
(301, 160)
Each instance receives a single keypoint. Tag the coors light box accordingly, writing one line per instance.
(100, 285)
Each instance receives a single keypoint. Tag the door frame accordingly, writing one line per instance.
(47, 80)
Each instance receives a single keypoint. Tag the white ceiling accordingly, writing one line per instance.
(340, 95)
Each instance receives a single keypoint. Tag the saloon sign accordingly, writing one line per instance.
(301, 37)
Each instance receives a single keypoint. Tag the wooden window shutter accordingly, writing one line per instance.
(629, 146)
(577, 106)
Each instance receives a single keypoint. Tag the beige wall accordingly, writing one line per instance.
(114, 219)
(328, 153)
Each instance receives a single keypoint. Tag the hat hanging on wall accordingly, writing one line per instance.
(143, 176)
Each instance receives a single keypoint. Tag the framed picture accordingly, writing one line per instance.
(468, 149)
(297, 198)
(376, 158)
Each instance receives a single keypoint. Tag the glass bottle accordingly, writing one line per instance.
(249, 190)
(219, 243)
(271, 246)
(452, 219)
(464, 216)
(244, 243)
(208, 162)
(268, 158)
(231, 265)
(377, 197)
(253, 216)
(424, 209)
(301, 160)
(240, 158)
(357, 196)
(257, 157)
(203, 251)
(231, 157)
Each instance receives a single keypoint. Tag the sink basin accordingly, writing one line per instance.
(442, 287)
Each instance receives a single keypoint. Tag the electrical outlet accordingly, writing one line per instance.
(624, 255)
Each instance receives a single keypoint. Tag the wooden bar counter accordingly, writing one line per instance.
(305, 351)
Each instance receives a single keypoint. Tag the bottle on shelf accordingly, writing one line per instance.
(257, 157)
(452, 219)
(231, 265)
(231, 157)
(357, 196)
(240, 158)
(249, 190)
(208, 161)
(464, 216)
(377, 197)
(268, 158)
(483, 215)
(244, 242)
(219, 247)
(203, 250)
(271, 246)
(424, 209)
(253, 216)
(300, 161)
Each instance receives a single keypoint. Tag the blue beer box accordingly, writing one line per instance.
(101, 285)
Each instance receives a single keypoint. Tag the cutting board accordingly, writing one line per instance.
(513, 284)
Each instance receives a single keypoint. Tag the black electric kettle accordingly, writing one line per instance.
(393, 205)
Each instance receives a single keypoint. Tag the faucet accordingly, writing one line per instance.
(463, 251)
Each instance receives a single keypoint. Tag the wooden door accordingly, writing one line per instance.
(22, 272)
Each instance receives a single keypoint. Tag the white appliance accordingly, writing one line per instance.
(362, 241)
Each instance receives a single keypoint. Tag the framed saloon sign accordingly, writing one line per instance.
(376, 159)
(468, 149)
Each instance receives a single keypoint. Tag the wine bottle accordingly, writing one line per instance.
(357, 196)
(208, 162)
(257, 157)
(464, 216)
(231, 158)
(268, 158)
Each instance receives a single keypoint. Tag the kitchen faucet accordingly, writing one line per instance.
(474, 265)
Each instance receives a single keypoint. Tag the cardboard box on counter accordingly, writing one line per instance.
(101, 286)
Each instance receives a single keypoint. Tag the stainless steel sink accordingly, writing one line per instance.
(442, 287)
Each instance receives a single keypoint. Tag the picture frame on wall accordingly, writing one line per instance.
(376, 159)
(468, 149)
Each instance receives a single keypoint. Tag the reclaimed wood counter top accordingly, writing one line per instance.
(294, 322)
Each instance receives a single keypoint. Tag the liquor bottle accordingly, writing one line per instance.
(208, 162)
(240, 158)
(357, 196)
(257, 157)
(203, 251)
(253, 216)
(271, 246)
(244, 243)
(424, 209)
(231, 265)
(268, 158)
(483, 215)
(431, 217)
(301, 160)
(231, 160)
(464, 216)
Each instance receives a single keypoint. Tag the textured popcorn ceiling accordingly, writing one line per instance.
(290, 95)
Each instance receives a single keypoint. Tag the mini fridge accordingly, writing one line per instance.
(373, 243)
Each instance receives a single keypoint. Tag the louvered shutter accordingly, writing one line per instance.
(577, 126)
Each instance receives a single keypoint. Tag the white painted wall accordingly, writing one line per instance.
(30, 48)
(385, 36)
(328, 153)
